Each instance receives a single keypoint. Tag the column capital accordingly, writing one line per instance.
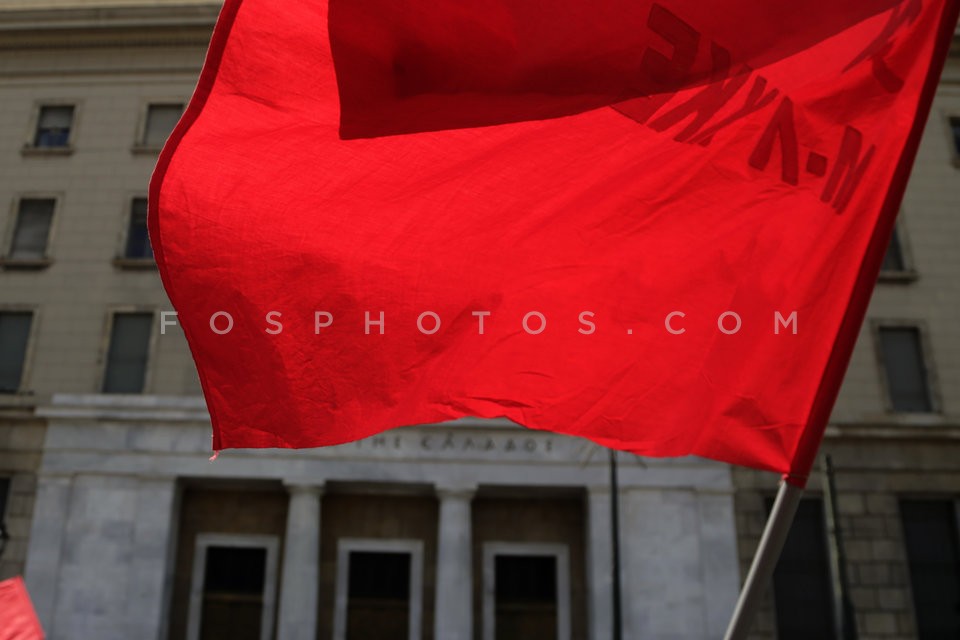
(456, 491)
(303, 486)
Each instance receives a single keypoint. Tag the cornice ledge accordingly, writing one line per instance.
(108, 18)
(125, 407)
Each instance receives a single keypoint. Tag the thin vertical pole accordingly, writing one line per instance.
(845, 622)
(615, 546)
(765, 560)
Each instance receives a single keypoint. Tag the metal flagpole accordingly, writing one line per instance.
(615, 535)
(765, 560)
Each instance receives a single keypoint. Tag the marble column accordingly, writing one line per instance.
(453, 612)
(300, 580)
(599, 564)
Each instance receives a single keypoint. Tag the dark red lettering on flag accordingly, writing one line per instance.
(876, 52)
(849, 167)
(782, 132)
(437, 64)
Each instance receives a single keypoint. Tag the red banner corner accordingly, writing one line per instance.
(18, 620)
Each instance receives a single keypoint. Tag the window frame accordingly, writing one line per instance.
(198, 572)
(560, 551)
(9, 262)
(103, 360)
(909, 272)
(345, 546)
(954, 151)
(120, 259)
(28, 354)
(140, 145)
(926, 355)
(29, 146)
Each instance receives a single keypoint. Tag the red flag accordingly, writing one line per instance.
(645, 223)
(18, 621)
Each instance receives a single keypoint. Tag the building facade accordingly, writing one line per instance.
(125, 529)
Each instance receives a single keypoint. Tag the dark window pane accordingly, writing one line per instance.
(526, 578)
(4, 494)
(53, 126)
(34, 216)
(893, 260)
(233, 585)
(525, 591)
(930, 534)
(127, 355)
(138, 243)
(801, 582)
(14, 333)
(379, 575)
(235, 569)
(378, 602)
(161, 119)
(955, 129)
(905, 371)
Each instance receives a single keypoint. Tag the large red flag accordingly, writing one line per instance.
(652, 224)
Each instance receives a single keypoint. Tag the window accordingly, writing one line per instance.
(4, 496)
(53, 127)
(14, 334)
(802, 588)
(904, 369)
(32, 229)
(895, 260)
(379, 589)
(526, 591)
(933, 554)
(233, 590)
(378, 594)
(525, 596)
(160, 121)
(137, 245)
(127, 353)
(955, 135)
(897, 263)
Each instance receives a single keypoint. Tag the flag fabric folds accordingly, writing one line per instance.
(655, 225)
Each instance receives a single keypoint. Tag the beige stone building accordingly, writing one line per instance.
(125, 530)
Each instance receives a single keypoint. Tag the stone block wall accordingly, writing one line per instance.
(872, 477)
